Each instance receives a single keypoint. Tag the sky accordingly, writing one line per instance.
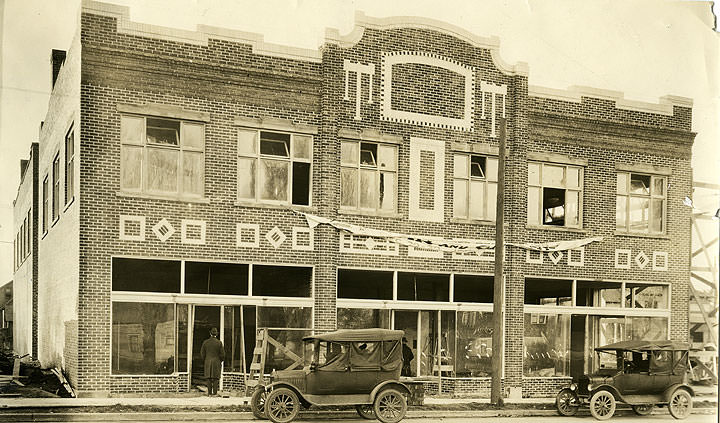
(644, 48)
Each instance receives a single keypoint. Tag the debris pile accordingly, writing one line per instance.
(21, 377)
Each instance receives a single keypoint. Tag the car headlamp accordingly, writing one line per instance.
(573, 386)
(590, 387)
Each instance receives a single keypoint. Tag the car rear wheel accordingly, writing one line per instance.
(282, 405)
(680, 404)
(390, 406)
(566, 402)
(366, 411)
(602, 405)
(643, 410)
(257, 403)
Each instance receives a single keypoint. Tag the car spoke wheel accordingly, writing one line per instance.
(602, 405)
(366, 411)
(282, 405)
(390, 406)
(257, 403)
(566, 402)
(643, 410)
(680, 404)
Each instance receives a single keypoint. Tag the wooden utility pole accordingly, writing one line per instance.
(496, 396)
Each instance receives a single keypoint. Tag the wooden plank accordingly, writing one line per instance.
(255, 366)
(708, 185)
(701, 279)
(708, 245)
(713, 337)
(283, 349)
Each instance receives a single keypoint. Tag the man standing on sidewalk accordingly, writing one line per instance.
(213, 354)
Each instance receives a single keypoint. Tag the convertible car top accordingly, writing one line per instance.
(354, 335)
(646, 346)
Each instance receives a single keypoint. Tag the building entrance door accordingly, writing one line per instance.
(204, 319)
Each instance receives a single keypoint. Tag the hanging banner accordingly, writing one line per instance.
(440, 244)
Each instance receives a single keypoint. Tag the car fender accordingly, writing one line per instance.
(389, 384)
(669, 391)
(608, 388)
(288, 385)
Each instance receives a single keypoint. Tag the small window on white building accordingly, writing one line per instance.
(368, 176)
(162, 156)
(555, 194)
(474, 187)
(56, 188)
(640, 203)
(274, 167)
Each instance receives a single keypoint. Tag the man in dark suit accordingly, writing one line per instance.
(213, 354)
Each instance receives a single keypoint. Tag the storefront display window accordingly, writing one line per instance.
(365, 284)
(646, 296)
(647, 328)
(547, 345)
(474, 344)
(548, 292)
(143, 336)
(362, 318)
(599, 294)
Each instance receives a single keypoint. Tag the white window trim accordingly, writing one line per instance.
(580, 190)
(358, 167)
(628, 196)
(486, 181)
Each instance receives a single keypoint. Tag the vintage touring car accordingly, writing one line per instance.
(643, 374)
(359, 367)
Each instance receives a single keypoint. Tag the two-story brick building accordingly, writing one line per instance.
(217, 180)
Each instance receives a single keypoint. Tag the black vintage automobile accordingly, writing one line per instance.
(359, 367)
(646, 374)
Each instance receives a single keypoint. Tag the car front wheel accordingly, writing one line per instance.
(680, 404)
(602, 405)
(643, 410)
(366, 411)
(566, 402)
(390, 406)
(257, 403)
(282, 405)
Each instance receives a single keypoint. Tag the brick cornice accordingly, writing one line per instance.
(558, 127)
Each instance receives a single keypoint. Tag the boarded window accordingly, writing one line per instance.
(163, 156)
(145, 275)
(216, 278)
(281, 281)
(274, 167)
(365, 284)
(368, 176)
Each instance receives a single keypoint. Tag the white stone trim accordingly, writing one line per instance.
(530, 259)
(660, 261)
(275, 237)
(239, 227)
(622, 263)
(642, 260)
(575, 93)
(576, 257)
(555, 256)
(184, 224)
(296, 230)
(163, 230)
(359, 70)
(360, 244)
(124, 219)
(430, 59)
(437, 214)
(425, 252)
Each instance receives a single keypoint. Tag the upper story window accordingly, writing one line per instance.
(162, 156)
(474, 187)
(368, 176)
(274, 167)
(640, 204)
(555, 194)
(45, 204)
(69, 165)
(56, 187)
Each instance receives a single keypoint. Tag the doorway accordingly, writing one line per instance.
(204, 319)
(577, 345)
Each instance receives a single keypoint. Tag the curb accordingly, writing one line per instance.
(307, 415)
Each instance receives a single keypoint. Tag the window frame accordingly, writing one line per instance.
(56, 188)
(70, 165)
(580, 189)
(485, 180)
(181, 148)
(628, 196)
(290, 159)
(46, 203)
(359, 166)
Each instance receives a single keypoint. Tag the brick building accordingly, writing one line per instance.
(206, 178)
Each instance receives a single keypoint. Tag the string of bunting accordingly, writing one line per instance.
(441, 244)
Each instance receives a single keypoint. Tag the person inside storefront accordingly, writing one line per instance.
(212, 353)
(407, 355)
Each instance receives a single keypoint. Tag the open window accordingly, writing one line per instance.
(554, 195)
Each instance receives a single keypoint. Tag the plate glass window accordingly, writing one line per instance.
(56, 188)
(69, 166)
(368, 176)
(474, 187)
(162, 156)
(640, 204)
(554, 195)
(274, 167)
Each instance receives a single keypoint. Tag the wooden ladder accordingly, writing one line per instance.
(257, 366)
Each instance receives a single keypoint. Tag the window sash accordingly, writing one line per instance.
(134, 139)
(46, 204)
(69, 166)
(625, 197)
(536, 186)
(250, 160)
(486, 185)
(56, 188)
(372, 172)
